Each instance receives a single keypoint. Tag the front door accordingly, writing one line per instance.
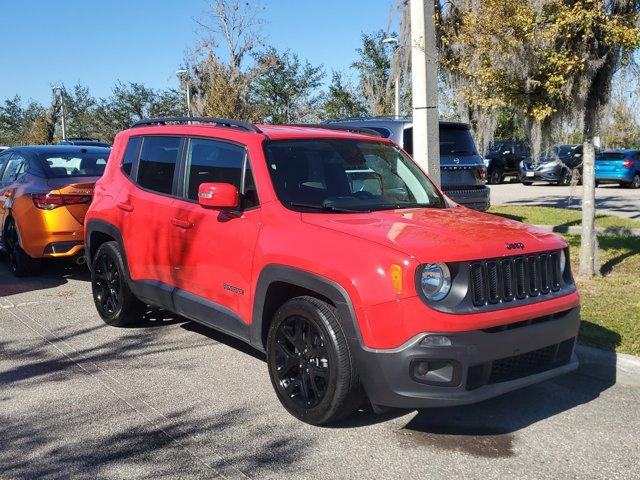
(212, 249)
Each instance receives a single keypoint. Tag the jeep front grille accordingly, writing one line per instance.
(514, 278)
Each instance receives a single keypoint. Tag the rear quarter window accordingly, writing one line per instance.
(130, 155)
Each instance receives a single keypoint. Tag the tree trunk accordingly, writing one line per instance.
(588, 243)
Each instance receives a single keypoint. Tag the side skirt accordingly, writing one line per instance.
(191, 306)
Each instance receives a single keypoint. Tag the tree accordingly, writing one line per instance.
(340, 100)
(25, 125)
(80, 112)
(221, 88)
(374, 68)
(287, 91)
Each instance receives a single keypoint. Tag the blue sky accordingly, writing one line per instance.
(98, 42)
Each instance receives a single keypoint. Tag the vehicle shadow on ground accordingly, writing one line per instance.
(52, 274)
(609, 202)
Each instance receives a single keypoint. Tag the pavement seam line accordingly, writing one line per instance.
(118, 395)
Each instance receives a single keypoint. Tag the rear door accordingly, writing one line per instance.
(145, 208)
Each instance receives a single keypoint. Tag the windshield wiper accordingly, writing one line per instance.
(326, 208)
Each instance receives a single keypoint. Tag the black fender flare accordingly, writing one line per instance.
(97, 225)
(326, 287)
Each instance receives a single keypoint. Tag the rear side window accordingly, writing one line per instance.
(612, 156)
(216, 161)
(130, 155)
(157, 164)
(14, 167)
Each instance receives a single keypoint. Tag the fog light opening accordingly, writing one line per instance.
(435, 372)
(435, 341)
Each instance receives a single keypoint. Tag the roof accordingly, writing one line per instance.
(273, 132)
(281, 132)
(59, 149)
(626, 151)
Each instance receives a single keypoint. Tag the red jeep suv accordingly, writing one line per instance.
(330, 250)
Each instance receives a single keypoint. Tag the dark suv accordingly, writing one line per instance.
(462, 173)
(503, 159)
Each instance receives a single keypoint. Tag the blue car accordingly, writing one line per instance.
(619, 166)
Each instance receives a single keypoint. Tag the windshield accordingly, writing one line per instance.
(344, 175)
(497, 146)
(565, 150)
(74, 165)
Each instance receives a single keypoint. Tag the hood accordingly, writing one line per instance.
(436, 235)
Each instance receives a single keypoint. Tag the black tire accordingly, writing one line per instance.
(310, 363)
(597, 184)
(495, 176)
(635, 182)
(115, 302)
(528, 184)
(564, 179)
(21, 263)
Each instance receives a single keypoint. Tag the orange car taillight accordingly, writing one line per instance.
(49, 201)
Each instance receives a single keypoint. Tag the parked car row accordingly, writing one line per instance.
(560, 165)
(326, 247)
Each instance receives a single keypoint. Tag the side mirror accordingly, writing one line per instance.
(218, 195)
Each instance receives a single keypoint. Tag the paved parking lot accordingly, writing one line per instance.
(171, 399)
(610, 199)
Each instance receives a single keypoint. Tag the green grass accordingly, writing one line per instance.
(558, 216)
(611, 303)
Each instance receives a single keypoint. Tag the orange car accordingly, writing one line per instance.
(45, 192)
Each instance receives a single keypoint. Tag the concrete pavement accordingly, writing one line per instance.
(171, 399)
(610, 199)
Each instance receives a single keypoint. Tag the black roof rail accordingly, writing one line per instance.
(222, 122)
(373, 117)
(343, 128)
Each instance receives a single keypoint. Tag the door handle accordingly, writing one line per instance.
(181, 223)
(125, 207)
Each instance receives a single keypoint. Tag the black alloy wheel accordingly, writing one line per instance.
(635, 183)
(20, 263)
(107, 285)
(301, 362)
(495, 176)
(112, 296)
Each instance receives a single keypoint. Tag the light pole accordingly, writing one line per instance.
(183, 76)
(397, 87)
(424, 82)
(61, 92)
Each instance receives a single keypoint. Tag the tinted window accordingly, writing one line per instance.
(130, 155)
(453, 141)
(346, 175)
(385, 132)
(213, 161)
(81, 164)
(3, 161)
(157, 164)
(456, 141)
(14, 167)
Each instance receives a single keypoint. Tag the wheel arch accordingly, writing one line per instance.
(98, 232)
(279, 283)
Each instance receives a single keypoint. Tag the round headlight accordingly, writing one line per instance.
(435, 281)
(563, 261)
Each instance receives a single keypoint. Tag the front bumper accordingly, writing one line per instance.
(475, 198)
(544, 175)
(486, 363)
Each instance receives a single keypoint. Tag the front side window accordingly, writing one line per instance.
(157, 165)
(81, 164)
(213, 161)
(347, 176)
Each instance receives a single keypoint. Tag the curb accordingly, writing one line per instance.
(577, 230)
(603, 362)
